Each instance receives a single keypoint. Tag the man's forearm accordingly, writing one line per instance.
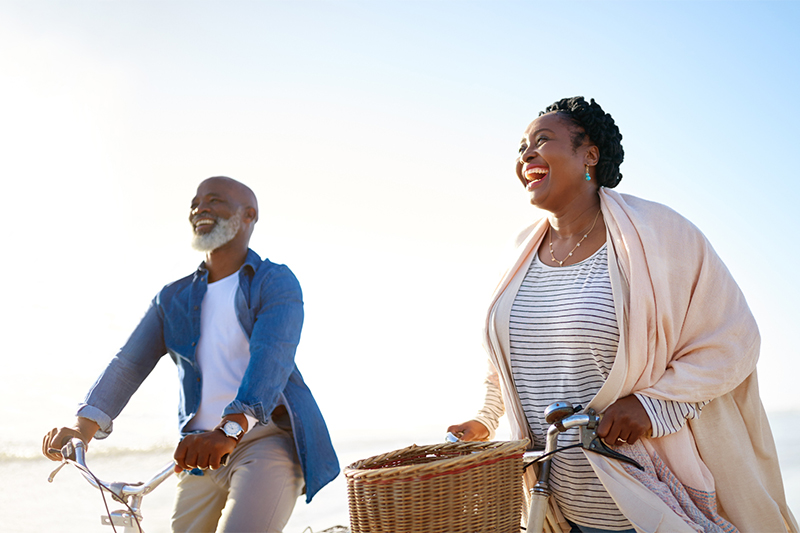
(87, 428)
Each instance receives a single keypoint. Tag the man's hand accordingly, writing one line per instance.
(203, 450)
(54, 439)
(470, 431)
(625, 421)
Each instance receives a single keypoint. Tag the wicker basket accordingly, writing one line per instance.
(448, 488)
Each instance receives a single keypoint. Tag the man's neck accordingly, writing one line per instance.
(224, 261)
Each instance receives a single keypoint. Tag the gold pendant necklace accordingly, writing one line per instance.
(561, 263)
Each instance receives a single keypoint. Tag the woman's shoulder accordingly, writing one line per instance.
(639, 205)
(647, 211)
(657, 226)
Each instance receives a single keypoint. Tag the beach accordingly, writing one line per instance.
(71, 505)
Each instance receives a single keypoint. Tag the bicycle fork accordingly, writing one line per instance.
(124, 518)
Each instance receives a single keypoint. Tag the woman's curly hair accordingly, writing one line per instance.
(602, 132)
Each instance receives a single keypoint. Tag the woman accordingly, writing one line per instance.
(621, 305)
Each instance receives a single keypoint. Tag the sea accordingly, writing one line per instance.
(70, 505)
(28, 503)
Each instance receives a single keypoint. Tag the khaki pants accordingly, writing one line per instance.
(256, 491)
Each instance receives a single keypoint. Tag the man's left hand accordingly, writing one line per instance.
(625, 421)
(203, 450)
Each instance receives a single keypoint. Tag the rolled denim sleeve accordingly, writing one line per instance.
(125, 373)
(273, 343)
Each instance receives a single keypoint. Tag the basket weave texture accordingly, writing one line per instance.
(464, 487)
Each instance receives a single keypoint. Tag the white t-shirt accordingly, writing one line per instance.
(223, 353)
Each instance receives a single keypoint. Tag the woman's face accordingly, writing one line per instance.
(552, 171)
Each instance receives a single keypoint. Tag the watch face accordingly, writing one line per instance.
(232, 429)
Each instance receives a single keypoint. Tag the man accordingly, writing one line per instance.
(232, 328)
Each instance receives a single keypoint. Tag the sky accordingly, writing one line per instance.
(380, 139)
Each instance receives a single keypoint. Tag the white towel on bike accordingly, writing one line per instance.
(686, 334)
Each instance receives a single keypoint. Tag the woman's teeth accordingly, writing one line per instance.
(535, 174)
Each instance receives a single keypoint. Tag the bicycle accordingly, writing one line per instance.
(129, 494)
(562, 417)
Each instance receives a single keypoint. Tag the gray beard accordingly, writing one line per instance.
(224, 231)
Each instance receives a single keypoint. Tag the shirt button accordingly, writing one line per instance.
(196, 308)
(194, 344)
(198, 380)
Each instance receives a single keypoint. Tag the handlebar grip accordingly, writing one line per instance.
(450, 437)
(68, 450)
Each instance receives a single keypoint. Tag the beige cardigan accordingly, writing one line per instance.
(686, 334)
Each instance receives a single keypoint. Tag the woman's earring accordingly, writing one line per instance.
(588, 177)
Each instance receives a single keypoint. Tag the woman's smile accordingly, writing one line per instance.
(534, 174)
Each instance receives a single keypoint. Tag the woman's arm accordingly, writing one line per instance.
(483, 426)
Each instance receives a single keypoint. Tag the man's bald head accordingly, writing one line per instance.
(238, 191)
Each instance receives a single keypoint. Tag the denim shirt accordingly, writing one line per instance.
(269, 306)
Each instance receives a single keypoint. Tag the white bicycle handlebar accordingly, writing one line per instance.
(130, 494)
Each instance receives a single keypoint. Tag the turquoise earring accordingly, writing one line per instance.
(588, 177)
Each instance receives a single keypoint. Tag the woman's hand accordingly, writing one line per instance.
(470, 431)
(625, 421)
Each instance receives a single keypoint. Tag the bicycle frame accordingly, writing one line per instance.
(130, 494)
(540, 493)
(561, 417)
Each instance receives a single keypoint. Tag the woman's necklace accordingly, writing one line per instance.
(561, 263)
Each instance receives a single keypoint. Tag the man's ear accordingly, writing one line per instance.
(250, 215)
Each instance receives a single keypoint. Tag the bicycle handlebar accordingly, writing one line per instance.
(74, 452)
(563, 416)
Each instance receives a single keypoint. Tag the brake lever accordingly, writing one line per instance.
(590, 441)
(56, 471)
(67, 452)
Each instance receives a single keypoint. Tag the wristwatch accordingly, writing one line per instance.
(232, 430)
